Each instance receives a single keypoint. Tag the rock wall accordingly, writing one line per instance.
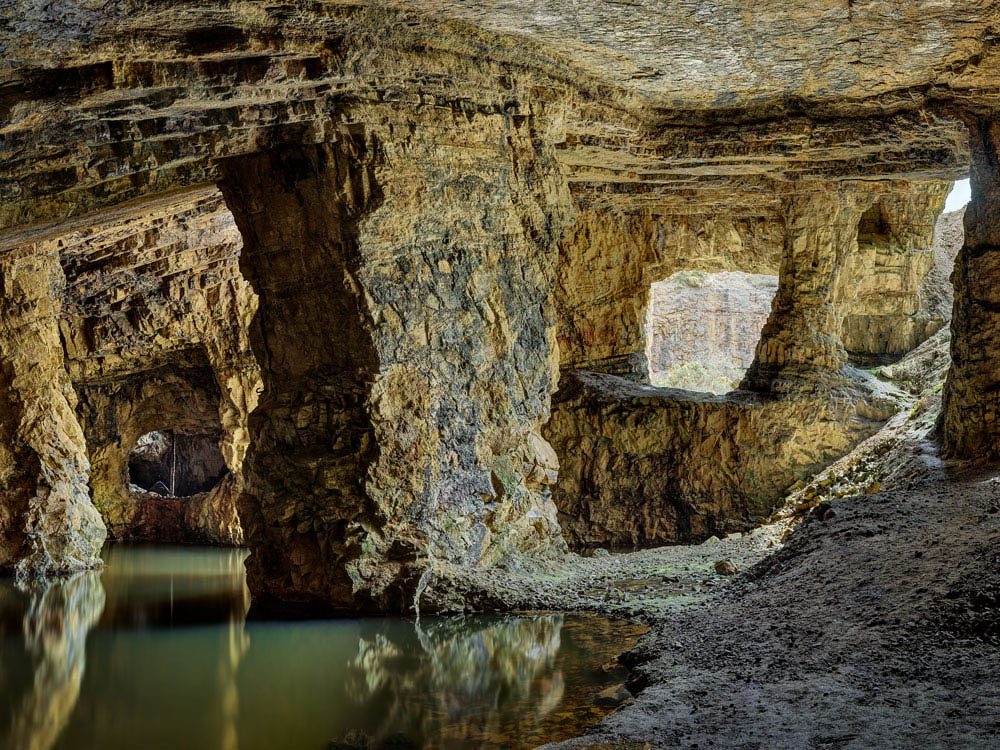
(154, 324)
(475, 122)
(645, 466)
(642, 465)
(893, 312)
(702, 329)
(802, 335)
(406, 335)
(48, 524)
(970, 425)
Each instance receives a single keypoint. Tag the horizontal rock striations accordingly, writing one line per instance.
(438, 205)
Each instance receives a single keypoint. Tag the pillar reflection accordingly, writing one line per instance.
(57, 617)
(424, 694)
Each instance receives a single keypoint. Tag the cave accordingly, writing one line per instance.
(683, 315)
(176, 465)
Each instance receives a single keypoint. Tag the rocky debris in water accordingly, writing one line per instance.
(726, 568)
(613, 696)
(615, 668)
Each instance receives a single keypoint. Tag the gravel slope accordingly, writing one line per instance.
(877, 628)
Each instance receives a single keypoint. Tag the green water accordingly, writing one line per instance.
(156, 651)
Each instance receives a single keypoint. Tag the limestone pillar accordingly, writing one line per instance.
(802, 336)
(406, 338)
(47, 522)
(971, 410)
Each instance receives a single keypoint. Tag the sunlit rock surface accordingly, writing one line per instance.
(702, 329)
(505, 184)
(896, 304)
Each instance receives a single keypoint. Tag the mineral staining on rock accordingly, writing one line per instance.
(897, 296)
(155, 328)
(441, 206)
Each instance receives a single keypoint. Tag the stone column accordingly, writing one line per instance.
(970, 422)
(802, 335)
(48, 524)
(406, 337)
(311, 435)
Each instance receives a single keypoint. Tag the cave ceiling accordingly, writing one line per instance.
(675, 106)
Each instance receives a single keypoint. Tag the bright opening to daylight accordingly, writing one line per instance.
(959, 197)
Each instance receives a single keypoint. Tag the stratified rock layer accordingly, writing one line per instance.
(154, 323)
(47, 522)
(893, 311)
(453, 139)
(644, 466)
(608, 262)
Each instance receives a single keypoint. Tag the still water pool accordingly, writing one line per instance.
(156, 651)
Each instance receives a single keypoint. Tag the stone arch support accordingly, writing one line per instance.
(48, 524)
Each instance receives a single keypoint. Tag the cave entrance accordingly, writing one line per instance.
(173, 464)
(702, 328)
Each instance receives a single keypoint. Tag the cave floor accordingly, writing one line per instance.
(878, 627)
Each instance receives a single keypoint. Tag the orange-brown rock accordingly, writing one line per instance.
(608, 262)
(441, 150)
(154, 325)
(642, 465)
(48, 524)
(894, 307)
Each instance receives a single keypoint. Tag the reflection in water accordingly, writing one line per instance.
(58, 615)
(172, 661)
(464, 661)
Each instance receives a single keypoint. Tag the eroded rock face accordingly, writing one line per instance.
(608, 262)
(406, 336)
(970, 426)
(154, 323)
(895, 307)
(472, 124)
(642, 465)
(803, 333)
(47, 523)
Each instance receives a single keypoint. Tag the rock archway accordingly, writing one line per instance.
(406, 174)
(115, 415)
